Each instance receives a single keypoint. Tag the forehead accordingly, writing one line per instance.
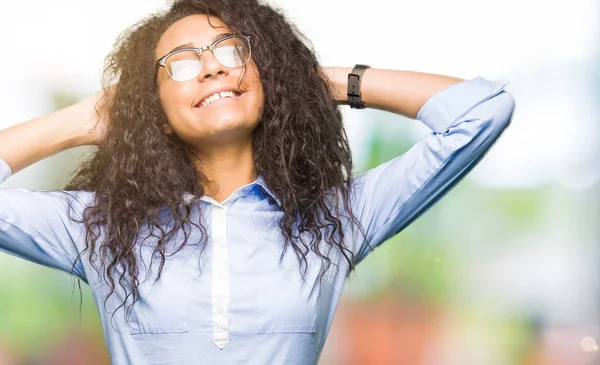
(197, 29)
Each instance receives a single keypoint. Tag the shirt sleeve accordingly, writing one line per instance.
(466, 119)
(35, 226)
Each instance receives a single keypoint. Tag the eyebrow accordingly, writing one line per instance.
(189, 45)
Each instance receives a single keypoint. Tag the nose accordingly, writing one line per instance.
(211, 67)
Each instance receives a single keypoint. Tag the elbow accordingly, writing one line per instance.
(495, 115)
(502, 108)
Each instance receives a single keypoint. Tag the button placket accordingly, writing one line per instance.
(220, 278)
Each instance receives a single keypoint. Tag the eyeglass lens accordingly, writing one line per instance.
(230, 52)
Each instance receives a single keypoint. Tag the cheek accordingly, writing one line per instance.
(253, 80)
(261, 100)
(171, 100)
(259, 95)
(165, 98)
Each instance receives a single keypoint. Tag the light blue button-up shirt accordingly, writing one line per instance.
(243, 307)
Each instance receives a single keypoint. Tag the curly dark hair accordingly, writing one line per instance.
(138, 173)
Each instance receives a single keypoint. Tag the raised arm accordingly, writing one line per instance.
(35, 225)
(395, 91)
(466, 118)
(26, 143)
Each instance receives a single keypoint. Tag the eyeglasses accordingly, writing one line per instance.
(185, 64)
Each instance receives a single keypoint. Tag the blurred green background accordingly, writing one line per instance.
(503, 271)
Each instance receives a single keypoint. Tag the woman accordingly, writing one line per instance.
(219, 217)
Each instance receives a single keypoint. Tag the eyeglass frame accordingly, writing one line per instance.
(162, 61)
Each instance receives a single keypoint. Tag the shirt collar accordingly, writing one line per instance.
(261, 181)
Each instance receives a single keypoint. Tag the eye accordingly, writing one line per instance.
(183, 66)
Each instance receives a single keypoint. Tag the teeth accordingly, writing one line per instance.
(217, 96)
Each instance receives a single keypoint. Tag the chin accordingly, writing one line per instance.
(226, 130)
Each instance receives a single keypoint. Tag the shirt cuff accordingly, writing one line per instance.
(444, 108)
(5, 171)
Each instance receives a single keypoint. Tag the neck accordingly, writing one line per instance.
(227, 168)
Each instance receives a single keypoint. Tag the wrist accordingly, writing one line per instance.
(338, 77)
(75, 132)
(355, 86)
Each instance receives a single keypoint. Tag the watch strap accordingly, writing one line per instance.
(354, 81)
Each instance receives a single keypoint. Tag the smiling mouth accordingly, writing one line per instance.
(224, 95)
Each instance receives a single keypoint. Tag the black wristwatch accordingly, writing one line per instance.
(354, 78)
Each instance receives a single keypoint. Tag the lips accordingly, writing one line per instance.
(211, 94)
